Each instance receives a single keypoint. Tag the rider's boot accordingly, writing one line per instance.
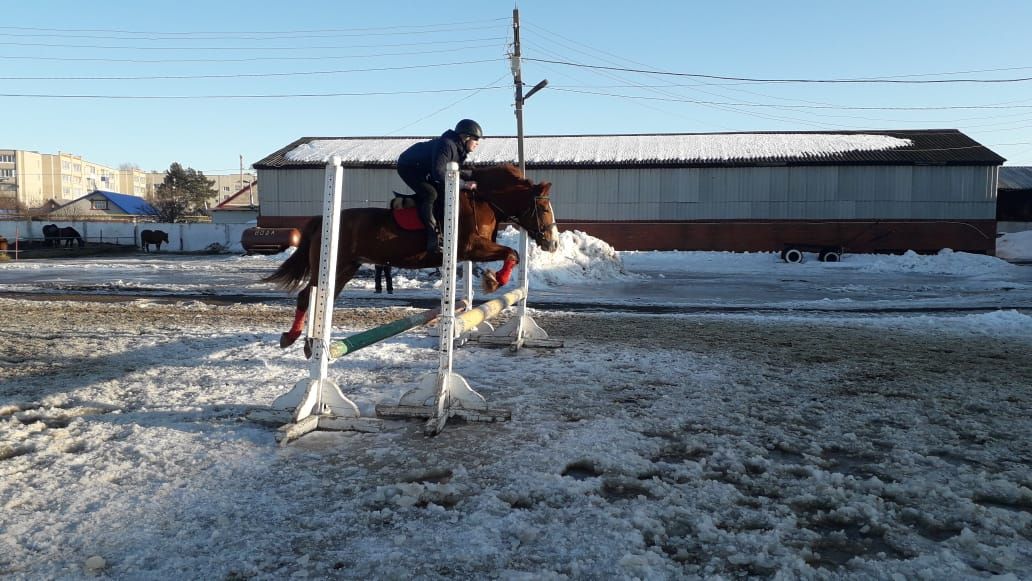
(433, 240)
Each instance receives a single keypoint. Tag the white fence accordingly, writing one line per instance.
(181, 237)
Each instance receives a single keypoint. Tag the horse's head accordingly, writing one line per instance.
(520, 200)
(540, 225)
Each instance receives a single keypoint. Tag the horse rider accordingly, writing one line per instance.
(422, 168)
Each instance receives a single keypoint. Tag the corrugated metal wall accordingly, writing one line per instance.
(794, 192)
(824, 192)
(299, 192)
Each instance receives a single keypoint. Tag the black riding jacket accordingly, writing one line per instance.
(432, 157)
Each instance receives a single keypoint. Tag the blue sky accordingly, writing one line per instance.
(427, 64)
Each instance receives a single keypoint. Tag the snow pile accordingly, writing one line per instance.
(580, 258)
(1015, 246)
(945, 262)
(1000, 323)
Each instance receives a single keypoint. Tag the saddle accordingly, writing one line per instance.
(403, 208)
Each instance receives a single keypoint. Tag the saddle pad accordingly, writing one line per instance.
(407, 218)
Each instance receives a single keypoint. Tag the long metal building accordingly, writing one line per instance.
(866, 191)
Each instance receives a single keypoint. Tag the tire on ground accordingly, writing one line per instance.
(792, 255)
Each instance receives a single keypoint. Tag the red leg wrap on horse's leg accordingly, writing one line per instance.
(506, 271)
(299, 321)
(287, 339)
(295, 329)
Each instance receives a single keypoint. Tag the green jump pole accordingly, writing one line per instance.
(464, 322)
(357, 341)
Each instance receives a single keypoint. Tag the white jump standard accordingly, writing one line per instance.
(444, 393)
(317, 402)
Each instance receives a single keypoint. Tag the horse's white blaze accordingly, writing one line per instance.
(554, 229)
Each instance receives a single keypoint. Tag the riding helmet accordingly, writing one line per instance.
(469, 127)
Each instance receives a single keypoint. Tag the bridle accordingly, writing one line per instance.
(538, 232)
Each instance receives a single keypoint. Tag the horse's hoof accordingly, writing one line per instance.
(287, 339)
(490, 282)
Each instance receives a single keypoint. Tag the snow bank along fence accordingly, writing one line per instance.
(317, 402)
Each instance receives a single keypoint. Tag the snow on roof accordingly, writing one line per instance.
(603, 149)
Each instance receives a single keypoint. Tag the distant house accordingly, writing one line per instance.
(101, 205)
(1014, 199)
(48, 207)
(240, 208)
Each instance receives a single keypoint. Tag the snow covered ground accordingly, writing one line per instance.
(710, 415)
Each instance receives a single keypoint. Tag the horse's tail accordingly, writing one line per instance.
(295, 270)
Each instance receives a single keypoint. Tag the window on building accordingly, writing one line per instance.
(99, 204)
(7, 173)
(6, 158)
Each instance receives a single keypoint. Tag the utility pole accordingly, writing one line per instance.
(517, 79)
(250, 190)
(523, 322)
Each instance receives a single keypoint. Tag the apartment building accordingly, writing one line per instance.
(132, 181)
(67, 176)
(29, 180)
(21, 180)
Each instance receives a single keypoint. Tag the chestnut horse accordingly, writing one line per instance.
(371, 236)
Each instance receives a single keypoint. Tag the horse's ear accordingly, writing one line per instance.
(545, 187)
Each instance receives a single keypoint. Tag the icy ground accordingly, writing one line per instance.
(805, 436)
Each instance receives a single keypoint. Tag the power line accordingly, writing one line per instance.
(233, 48)
(245, 75)
(763, 80)
(732, 105)
(553, 35)
(493, 85)
(671, 96)
(241, 96)
(251, 59)
(224, 32)
(840, 107)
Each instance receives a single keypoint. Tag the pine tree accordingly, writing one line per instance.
(183, 192)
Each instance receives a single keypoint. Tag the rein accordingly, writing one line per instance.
(537, 232)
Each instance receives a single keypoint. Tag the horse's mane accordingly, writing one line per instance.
(502, 177)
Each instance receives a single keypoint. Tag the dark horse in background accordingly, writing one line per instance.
(156, 237)
(371, 236)
(52, 235)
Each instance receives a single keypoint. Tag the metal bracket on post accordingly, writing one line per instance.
(521, 330)
(466, 306)
(482, 328)
(316, 401)
(444, 393)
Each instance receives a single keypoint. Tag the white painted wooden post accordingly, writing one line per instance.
(445, 393)
(317, 401)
